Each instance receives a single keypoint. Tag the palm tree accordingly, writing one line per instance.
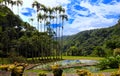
(63, 17)
(40, 18)
(45, 16)
(50, 10)
(56, 16)
(61, 11)
(37, 5)
(18, 3)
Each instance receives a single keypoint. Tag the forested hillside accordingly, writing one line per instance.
(12, 31)
(18, 38)
(21, 39)
(93, 42)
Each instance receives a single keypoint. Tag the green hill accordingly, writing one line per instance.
(84, 43)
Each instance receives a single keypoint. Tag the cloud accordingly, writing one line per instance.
(82, 14)
(91, 14)
(27, 12)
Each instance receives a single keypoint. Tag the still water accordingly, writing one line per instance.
(73, 63)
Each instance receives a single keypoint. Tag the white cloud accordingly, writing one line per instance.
(81, 23)
(97, 20)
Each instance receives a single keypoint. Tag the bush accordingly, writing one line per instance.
(103, 64)
(113, 63)
(110, 62)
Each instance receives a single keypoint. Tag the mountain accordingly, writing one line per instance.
(86, 41)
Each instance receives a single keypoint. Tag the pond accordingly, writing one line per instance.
(71, 65)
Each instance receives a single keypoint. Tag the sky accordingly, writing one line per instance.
(82, 14)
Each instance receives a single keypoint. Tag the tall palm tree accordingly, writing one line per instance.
(63, 17)
(40, 18)
(45, 10)
(18, 3)
(56, 16)
(45, 17)
(50, 10)
(37, 5)
(61, 11)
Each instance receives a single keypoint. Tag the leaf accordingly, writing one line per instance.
(2, 14)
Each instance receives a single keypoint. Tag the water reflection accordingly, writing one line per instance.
(74, 64)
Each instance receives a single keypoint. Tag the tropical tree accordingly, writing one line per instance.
(40, 19)
(61, 11)
(63, 17)
(37, 5)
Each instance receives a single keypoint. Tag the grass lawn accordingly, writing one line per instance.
(37, 71)
(108, 70)
(82, 57)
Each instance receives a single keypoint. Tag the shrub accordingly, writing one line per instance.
(103, 64)
(110, 62)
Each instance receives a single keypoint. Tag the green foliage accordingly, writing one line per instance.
(99, 51)
(19, 39)
(72, 51)
(110, 62)
(87, 41)
(103, 64)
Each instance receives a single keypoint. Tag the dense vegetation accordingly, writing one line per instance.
(98, 42)
(109, 63)
(21, 39)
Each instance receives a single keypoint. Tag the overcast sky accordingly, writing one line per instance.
(82, 14)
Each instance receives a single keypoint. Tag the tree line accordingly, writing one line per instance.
(20, 38)
(102, 42)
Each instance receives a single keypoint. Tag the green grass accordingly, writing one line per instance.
(108, 70)
(82, 57)
(4, 61)
(37, 71)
